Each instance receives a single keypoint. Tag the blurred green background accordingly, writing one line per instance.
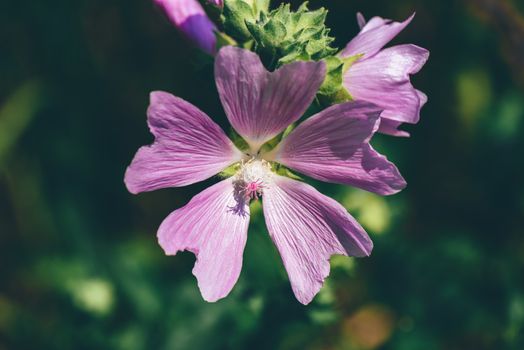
(79, 264)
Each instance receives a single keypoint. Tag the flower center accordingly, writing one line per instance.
(252, 178)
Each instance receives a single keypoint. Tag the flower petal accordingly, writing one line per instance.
(374, 35)
(307, 228)
(191, 19)
(213, 225)
(189, 147)
(391, 127)
(361, 20)
(333, 146)
(260, 104)
(384, 80)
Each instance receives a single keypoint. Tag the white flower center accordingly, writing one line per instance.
(252, 178)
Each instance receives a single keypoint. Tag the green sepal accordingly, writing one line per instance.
(242, 145)
(238, 141)
(224, 40)
(283, 171)
(237, 12)
(348, 61)
(332, 90)
(260, 5)
(288, 130)
(333, 80)
(271, 144)
(339, 96)
(229, 171)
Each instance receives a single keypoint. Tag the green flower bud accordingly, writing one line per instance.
(237, 12)
(282, 36)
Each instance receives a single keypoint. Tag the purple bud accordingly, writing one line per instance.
(191, 19)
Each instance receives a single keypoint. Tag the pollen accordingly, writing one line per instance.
(252, 178)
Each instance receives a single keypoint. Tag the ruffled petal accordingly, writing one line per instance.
(261, 104)
(213, 226)
(373, 36)
(191, 19)
(384, 79)
(333, 146)
(307, 228)
(189, 147)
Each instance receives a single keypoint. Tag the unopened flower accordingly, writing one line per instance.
(382, 76)
(306, 226)
(191, 19)
(217, 3)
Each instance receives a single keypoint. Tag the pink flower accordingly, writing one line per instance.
(191, 19)
(306, 226)
(382, 76)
